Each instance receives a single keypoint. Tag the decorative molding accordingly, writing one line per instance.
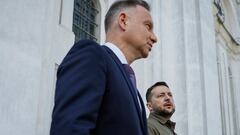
(237, 39)
(220, 14)
(221, 19)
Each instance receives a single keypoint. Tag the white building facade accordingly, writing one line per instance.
(197, 54)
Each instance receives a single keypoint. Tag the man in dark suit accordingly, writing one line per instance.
(96, 92)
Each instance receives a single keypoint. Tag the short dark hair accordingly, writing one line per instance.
(149, 90)
(118, 6)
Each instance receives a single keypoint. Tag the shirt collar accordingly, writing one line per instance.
(163, 120)
(117, 52)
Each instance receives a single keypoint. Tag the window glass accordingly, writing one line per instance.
(84, 20)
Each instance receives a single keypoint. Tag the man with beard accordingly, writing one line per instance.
(161, 106)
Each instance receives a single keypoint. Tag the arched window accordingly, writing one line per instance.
(84, 19)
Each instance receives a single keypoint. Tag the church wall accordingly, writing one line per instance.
(36, 35)
(22, 43)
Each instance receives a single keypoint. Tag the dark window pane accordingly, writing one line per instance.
(92, 29)
(84, 16)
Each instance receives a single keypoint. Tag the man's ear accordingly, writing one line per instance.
(123, 20)
(149, 106)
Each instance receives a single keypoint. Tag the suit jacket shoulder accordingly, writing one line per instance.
(79, 91)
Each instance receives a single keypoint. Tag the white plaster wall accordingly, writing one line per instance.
(33, 39)
(60, 39)
(21, 43)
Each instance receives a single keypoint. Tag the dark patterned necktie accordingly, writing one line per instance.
(131, 74)
(132, 77)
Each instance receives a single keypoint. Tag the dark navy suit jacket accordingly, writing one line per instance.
(94, 95)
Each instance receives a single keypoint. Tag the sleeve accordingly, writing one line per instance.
(79, 90)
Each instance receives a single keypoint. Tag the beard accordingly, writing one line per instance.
(163, 112)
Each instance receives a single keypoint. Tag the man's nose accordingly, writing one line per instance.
(167, 97)
(153, 38)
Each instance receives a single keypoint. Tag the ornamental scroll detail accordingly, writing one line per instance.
(220, 14)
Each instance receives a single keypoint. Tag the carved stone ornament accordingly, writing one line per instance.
(220, 13)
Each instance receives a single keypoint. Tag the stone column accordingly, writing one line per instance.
(201, 69)
(156, 51)
(194, 70)
(188, 64)
(235, 66)
(209, 76)
(172, 58)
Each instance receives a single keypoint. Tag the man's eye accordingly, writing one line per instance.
(148, 26)
(161, 95)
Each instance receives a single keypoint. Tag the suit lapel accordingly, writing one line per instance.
(131, 87)
(144, 117)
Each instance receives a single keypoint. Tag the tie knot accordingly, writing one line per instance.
(128, 69)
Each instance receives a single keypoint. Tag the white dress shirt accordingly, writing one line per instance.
(122, 59)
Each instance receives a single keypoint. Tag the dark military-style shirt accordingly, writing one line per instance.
(158, 125)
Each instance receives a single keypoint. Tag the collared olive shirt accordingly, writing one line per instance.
(158, 125)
